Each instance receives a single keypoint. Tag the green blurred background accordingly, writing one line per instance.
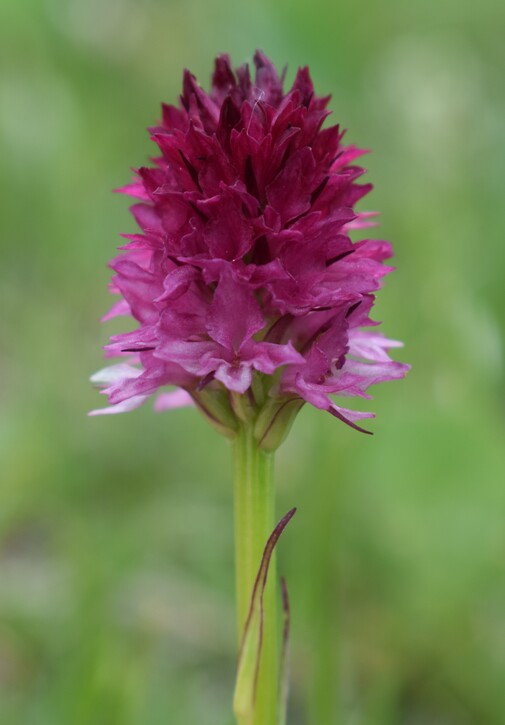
(116, 561)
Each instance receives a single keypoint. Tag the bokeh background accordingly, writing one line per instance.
(116, 561)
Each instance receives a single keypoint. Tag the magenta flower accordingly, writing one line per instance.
(249, 294)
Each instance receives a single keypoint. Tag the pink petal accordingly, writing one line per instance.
(234, 315)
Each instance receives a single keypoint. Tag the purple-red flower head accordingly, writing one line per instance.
(243, 279)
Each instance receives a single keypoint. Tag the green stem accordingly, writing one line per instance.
(254, 522)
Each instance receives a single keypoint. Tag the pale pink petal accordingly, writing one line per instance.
(124, 407)
(371, 345)
(176, 399)
(115, 374)
(235, 377)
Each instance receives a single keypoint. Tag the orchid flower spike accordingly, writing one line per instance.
(251, 298)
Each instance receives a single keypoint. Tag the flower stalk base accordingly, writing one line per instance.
(254, 522)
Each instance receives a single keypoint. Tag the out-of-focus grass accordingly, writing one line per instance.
(116, 576)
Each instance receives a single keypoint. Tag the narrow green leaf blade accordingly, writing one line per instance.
(250, 649)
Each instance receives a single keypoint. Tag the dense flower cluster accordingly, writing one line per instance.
(249, 293)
